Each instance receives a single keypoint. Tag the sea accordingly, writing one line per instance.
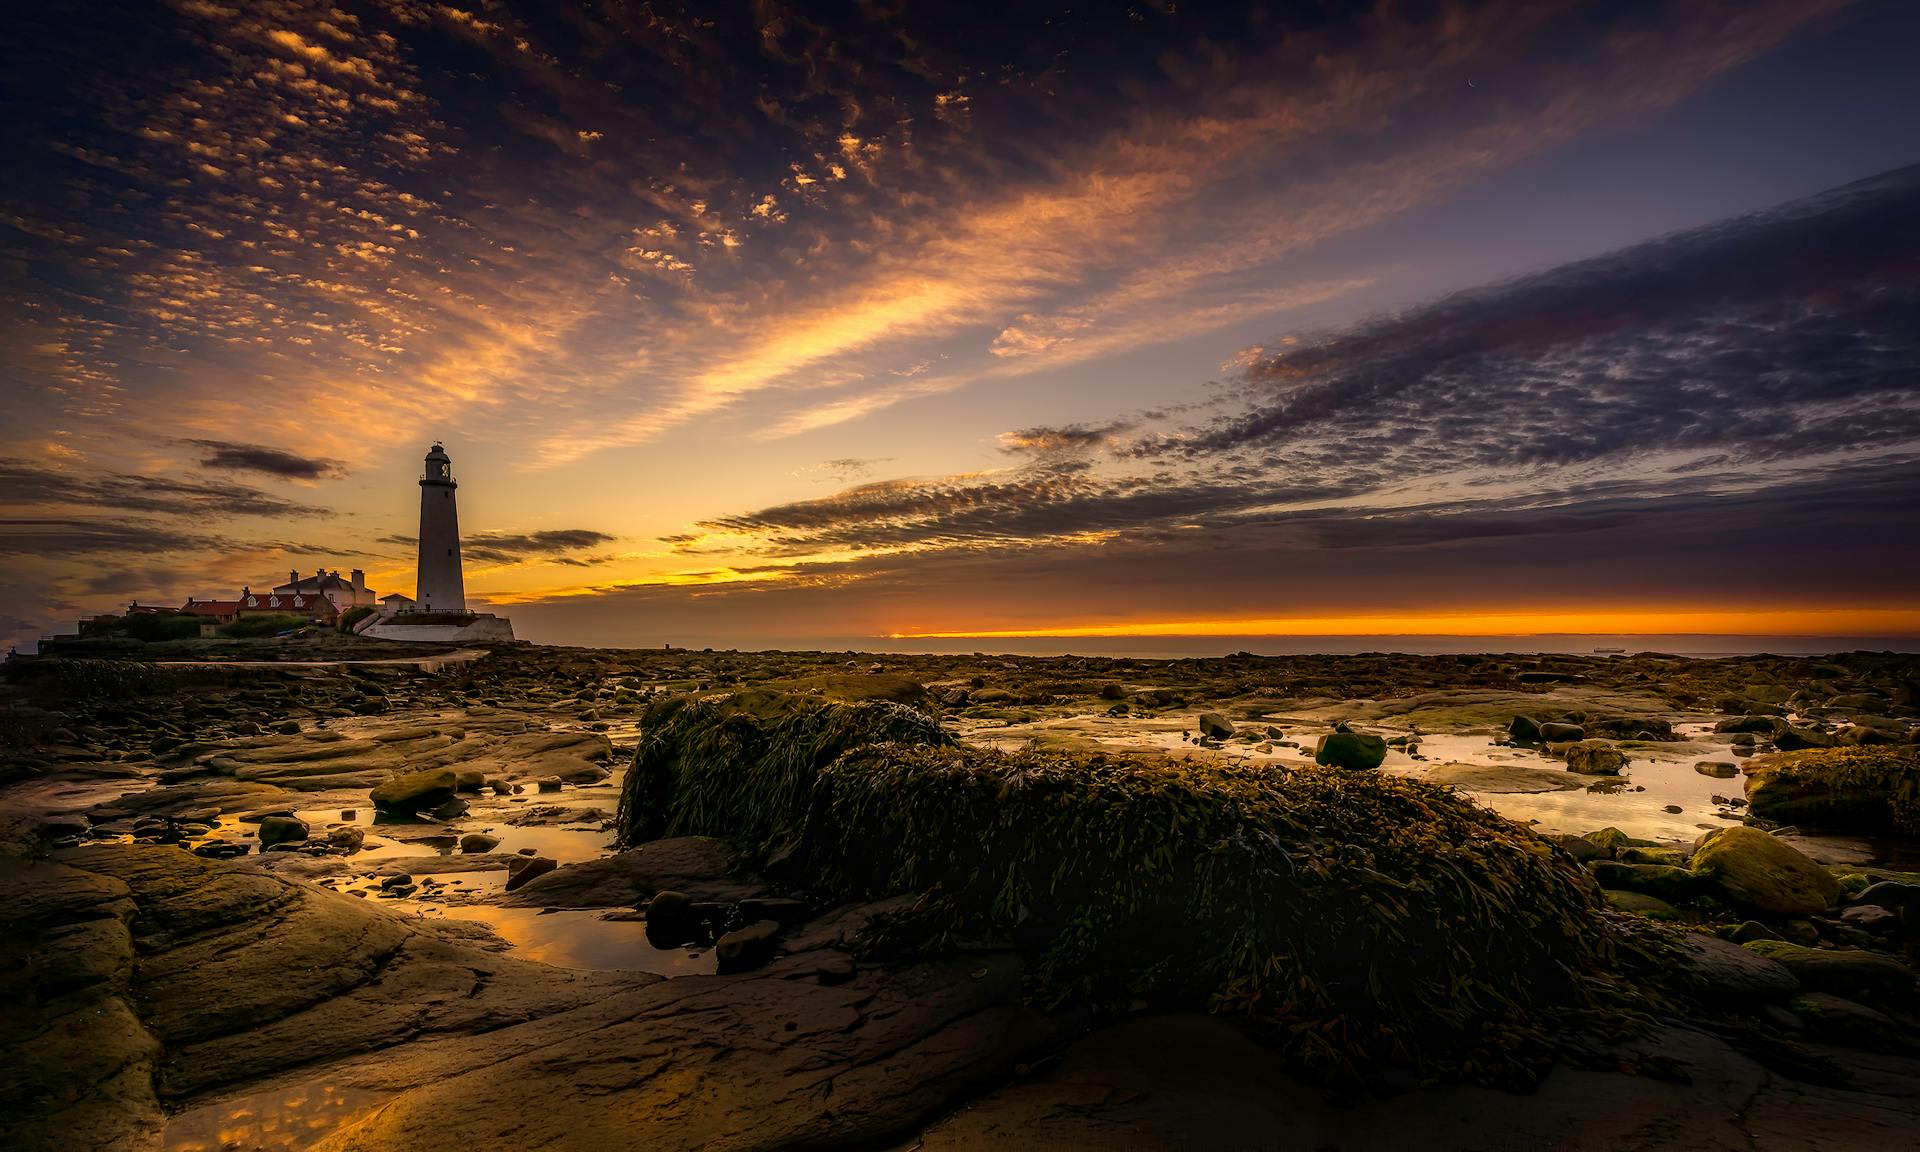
(1189, 647)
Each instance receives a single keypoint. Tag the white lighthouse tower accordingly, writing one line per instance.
(438, 586)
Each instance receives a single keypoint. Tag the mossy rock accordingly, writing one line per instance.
(1662, 880)
(1641, 904)
(1595, 758)
(1671, 856)
(1862, 789)
(1354, 750)
(1849, 972)
(414, 792)
(1365, 920)
(1756, 871)
(1611, 840)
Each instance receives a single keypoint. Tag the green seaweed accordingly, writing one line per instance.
(1367, 921)
(1871, 788)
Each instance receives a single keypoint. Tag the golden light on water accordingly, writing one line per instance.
(1754, 622)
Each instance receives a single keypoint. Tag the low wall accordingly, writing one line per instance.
(479, 628)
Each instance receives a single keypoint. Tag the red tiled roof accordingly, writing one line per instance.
(210, 607)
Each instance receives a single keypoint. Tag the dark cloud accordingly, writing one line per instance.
(552, 545)
(1041, 441)
(1780, 334)
(26, 484)
(90, 538)
(271, 461)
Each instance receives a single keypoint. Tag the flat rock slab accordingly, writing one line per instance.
(1500, 778)
(697, 865)
(1186, 1081)
(770, 1060)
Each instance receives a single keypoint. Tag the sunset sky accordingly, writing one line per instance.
(751, 323)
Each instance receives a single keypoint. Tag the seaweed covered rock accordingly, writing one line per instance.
(742, 765)
(1595, 758)
(1350, 750)
(1756, 871)
(1373, 920)
(1872, 789)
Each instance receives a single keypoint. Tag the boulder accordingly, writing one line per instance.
(1791, 739)
(521, 871)
(747, 948)
(1841, 1021)
(1751, 725)
(1898, 895)
(1718, 769)
(1719, 970)
(1756, 871)
(1523, 730)
(1595, 758)
(1662, 880)
(1843, 971)
(1215, 725)
(1641, 904)
(669, 913)
(414, 792)
(476, 842)
(1556, 732)
(1350, 750)
(281, 830)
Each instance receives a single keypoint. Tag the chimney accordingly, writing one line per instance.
(293, 576)
(359, 580)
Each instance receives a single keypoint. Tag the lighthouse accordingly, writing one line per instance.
(438, 586)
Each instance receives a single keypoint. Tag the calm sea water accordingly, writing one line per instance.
(1176, 647)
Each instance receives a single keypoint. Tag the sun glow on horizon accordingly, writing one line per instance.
(1751, 622)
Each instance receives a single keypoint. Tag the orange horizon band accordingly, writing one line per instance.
(1775, 622)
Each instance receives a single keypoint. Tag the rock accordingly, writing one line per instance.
(701, 867)
(781, 909)
(747, 948)
(1662, 880)
(348, 839)
(1523, 730)
(1748, 725)
(281, 830)
(1849, 971)
(396, 880)
(1674, 809)
(1215, 725)
(1555, 733)
(476, 842)
(1640, 904)
(521, 871)
(1898, 895)
(1719, 769)
(1754, 870)
(1753, 930)
(1581, 848)
(414, 792)
(1611, 840)
(549, 783)
(1728, 972)
(1872, 919)
(1350, 750)
(1841, 1021)
(834, 968)
(1595, 758)
(670, 914)
(1790, 739)
(288, 728)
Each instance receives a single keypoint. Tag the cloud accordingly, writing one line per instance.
(552, 545)
(26, 484)
(1784, 333)
(271, 461)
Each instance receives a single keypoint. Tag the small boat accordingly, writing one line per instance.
(1609, 651)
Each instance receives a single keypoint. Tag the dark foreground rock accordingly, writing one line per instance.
(1188, 1081)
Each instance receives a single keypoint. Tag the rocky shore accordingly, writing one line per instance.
(597, 899)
